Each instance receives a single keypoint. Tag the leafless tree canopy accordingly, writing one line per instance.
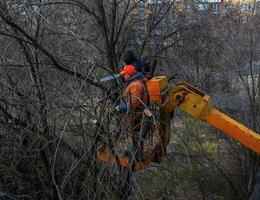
(55, 113)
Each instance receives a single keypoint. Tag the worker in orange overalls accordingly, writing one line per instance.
(136, 92)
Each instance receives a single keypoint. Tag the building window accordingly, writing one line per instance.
(229, 7)
(215, 8)
(246, 7)
(202, 6)
(258, 7)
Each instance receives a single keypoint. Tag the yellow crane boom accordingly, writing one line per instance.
(234, 129)
(198, 104)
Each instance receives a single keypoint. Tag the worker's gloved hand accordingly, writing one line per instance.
(122, 107)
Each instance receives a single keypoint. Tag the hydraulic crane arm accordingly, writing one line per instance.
(197, 104)
(234, 129)
(191, 101)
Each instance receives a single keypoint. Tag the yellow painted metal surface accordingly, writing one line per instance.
(191, 100)
(165, 127)
(234, 129)
(197, 104)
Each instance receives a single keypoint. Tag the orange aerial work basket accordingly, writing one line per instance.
(117, 147)
(113, 151)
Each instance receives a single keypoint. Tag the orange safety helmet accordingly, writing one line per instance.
(128, 69)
